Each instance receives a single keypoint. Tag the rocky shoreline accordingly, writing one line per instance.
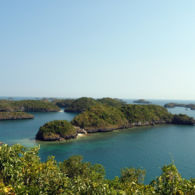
(82, 132)
(103, 118)
(138, 124)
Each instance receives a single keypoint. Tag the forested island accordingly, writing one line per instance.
(22, 172)
(15, 115)
(107, 115)
(27, 106)
(14, 110)
(81, 104)
(56, 130)
(173, 105)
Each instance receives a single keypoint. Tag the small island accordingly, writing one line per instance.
(141, 101)
(173, 105)
(15, 115)
(27, 106)
(17, 110)
(56, 130)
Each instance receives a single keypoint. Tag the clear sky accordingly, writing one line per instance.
(98, 48)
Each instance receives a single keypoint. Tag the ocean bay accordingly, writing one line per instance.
(146, 147)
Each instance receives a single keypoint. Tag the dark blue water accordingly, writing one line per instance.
(149, 147)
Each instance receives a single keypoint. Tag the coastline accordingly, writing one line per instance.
(101, 131)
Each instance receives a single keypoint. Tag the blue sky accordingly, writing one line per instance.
(99, 48)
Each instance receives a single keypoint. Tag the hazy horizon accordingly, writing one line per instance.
(63, 97)
(128, 50)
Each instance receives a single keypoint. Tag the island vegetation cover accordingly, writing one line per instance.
(106, 114)
(13, 110)
(22, 171)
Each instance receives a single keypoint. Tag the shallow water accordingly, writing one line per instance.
(146, 147)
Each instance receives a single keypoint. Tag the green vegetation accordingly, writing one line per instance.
(27, 106)
(105, 118)
(22, 172)
(15, 115)
(152, 114)
(63, 103)
(112, 102)
(5, 106)
(13, 110)
(81, 104)
(56, 130)
(100, 118)
(84, 103)
(183, 119)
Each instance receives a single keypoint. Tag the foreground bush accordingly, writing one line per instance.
(22, 172)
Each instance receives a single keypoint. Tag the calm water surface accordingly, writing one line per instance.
(149, 148)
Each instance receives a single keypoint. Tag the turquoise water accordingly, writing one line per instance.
(149, 147)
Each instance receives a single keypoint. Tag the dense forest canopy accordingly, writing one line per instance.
(22, 172)
(62, 103)
(104, 118)
(56, 130)
(81, 104)
(100, 117)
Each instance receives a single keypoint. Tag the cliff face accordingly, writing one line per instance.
(15, 115)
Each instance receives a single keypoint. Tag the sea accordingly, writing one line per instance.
(148, 148)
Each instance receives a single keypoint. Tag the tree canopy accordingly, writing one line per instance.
(22, 172)
(56, 130)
